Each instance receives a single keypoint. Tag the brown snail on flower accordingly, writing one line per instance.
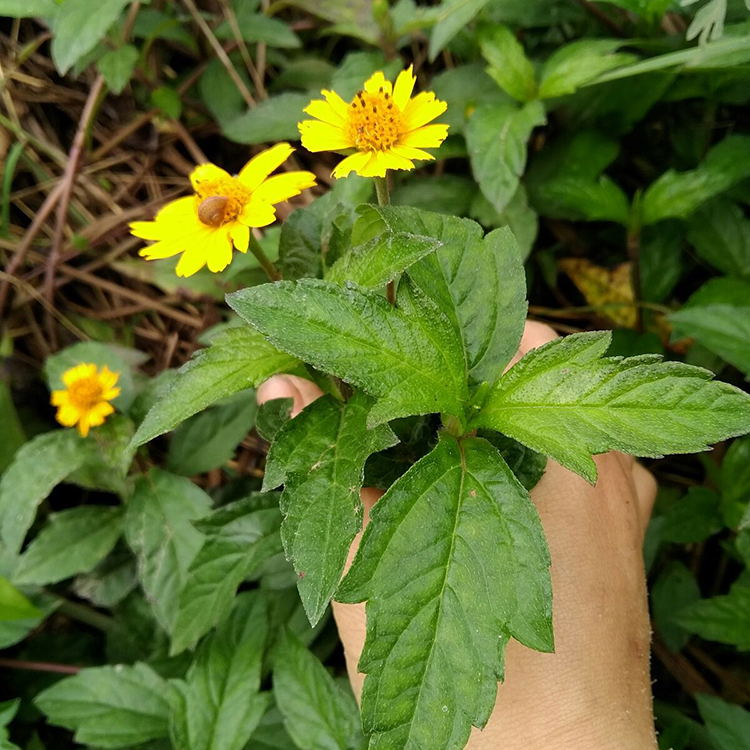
(213, 210)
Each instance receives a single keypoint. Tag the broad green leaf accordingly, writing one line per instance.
(477, 282)
(272, 415)
(109, 582)
(14, 631)
(208, 440)
(452, 564)
(352, 17)
(73, 541)
(445, 194)
(407, 357)
(240, 536)
(578, 63)
(14, 605)
(381, 258)
(661, 260)
(28, 8)
(728, 724)
(720, 234)
(117, 67)
(575, 198)
(320, 457)
(496, 137)
(509, 66)
(237, 359)
(220, 93)
(318, 713)
(13, 434)
(79, 26)
(725, 619)
(678, 194)
(357, 67)
(567, 400)
(159, 530)
(271, 733)
(674, 589)
(37, 467)
(274, 119)
(452, 16)
(527, 465)
(693, 518)
(168, 100)
(735, 482)
(8, 711)
(256, 27)
(219, 705)
(110, 707)
(717, 316)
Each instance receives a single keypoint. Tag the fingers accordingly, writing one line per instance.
(304, 392)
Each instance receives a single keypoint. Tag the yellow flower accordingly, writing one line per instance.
(85, 400)
(206, 225)
(387, 127)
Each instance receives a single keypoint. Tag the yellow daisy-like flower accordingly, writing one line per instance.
(205, 226)
(383, 123)
(85, 400)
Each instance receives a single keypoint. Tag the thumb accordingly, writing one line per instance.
(304, 392)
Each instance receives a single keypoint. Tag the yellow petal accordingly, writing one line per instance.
(377, 81)
(84, 370)
(258, 214)
(409, 152)
(112, 393)
(421, 109)
(339, 106)
(403, 88)
(219, 251)
(429, 136)
(283, 186)
(353, 163)
(67, 415)
(58, 398)
(162, 249)
(260, 166)
(240, 235)
(99, 413)
(108, 378)
(325, 112)
(206, 173)
(147, 230)
(180, 207)
(395, 160)
(376, 165)
(192, 260)
(322, 136)
(83, 425)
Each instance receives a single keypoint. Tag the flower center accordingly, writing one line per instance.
(219, 200)
(374, 122)
(85, 393)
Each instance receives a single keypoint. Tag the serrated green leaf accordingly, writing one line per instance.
(159, 530)
(318, 713)
(240, 536)
(407, 357)
(238, 359)
(219, 705)
(274, 119)
(727, 724)
(110, 707)
(14, 605)
(509, 66)
(567, 401)
(678, 194)
(725, 619)
(452, 16)
(496, 137)
(452, 564)
(720, 234)
(674, 589)
(320, 457)
(73, 541)
(117, 67)
(527, 465)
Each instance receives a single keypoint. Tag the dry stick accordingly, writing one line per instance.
(189, 142)
(39, 666)
(249, 64)
(220, 53)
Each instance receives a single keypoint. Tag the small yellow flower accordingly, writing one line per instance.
(85, 400)
(206, 225)
(387, 127)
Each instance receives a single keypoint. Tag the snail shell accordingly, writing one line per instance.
(212, 211)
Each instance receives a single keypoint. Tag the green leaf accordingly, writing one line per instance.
(678, 194)
(352, 17)
(110, 707)
(357, 67)
(117, 67)
(728, 724)
(477, 282)
(647, 8)
(564, 399)
(452, 16)
(272, 416)
(220, 93)
(8, 711)
(675, 588)
(725, 619)
(318, 713)
(694, 518)
(496, 137)
(407, 357)
(661, 258)
(28, 8)
(14, 605)
(109, 582)
(708, 24)
(73, 541)
(717, 316)
(14, 631)
(13, 434)
(274, 119)
(159, 530)
(579, 63)
(256, 27)
(509, 66)
(452, 564)
(381, 258)
(168, 101)
(219, 705)
(576, 198)
(240, 536)
(37, 468)
(720, 234)
(735, 481)
(320, 457)
(79, 26)
(527, 465)
(208, 440)
(238, 359)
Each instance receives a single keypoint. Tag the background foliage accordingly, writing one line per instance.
(612, 137)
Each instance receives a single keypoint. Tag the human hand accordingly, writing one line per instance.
(594, 692)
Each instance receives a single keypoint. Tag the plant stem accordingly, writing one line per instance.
(270, 269)
(384, 199)
(88, 616)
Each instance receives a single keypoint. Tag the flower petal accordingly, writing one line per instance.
(240, 235)
(192, 260)
(207, 173)
(377, 81)
(100, 412)
(84, 370)
(178, 208)
(395, 160)
(284, 186)
(339, 106)
(322, 136)
(353, 163)
(58, 398)
(403, 88)
(67, 415)
(428, 136)
(421, 109)
(376, 166)
(260, 166)
(112, 393)
(257, 214)
(325, 112)
(409, 152)
(219, 250)
(83, 425)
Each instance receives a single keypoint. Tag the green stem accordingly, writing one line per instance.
(382, 190)
(88, 616)
(270, 269)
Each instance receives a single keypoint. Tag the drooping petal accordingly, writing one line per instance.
(403, 88)
(410, 152)
(219, 250)
(421, 109)
(192, 260)
(337, 103)
(260, 166)
(284, 186)
(428, 136)
(376, 166)
(207, 173)
(240, 235)
(322, 136)
(353, 163)
(325, 112)
(257, 214)
(83, 425)
(377, 81)
(394, 160)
